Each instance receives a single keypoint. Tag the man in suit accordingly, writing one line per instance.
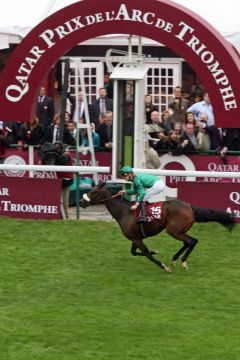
(45, 108)
(100, 106)
(105, 131)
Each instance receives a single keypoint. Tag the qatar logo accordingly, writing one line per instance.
(235, 197)
(14, 160)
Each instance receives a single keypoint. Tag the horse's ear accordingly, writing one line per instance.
(101, 184)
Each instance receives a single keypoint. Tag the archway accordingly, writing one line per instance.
(206, 51)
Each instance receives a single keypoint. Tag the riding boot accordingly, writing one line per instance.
(143, 215)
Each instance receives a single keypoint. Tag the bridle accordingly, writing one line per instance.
(90, 201)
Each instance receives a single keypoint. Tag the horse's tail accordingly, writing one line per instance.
(228, 220)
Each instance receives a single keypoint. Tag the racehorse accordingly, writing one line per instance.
(177, 218)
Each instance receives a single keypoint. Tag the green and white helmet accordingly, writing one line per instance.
(126, 170)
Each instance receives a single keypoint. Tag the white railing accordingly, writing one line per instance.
(186, 173)
(57, 168)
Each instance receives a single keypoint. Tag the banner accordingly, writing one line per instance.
(223, 196)
(29, 198)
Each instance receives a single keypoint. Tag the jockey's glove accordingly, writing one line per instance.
(122, 192)
(135, 206)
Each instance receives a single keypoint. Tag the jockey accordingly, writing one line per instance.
(144, 185)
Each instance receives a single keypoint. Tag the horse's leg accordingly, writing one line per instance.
(188, 251)
(141, 246)
(189, 244)
(176, 256)
(135, 253)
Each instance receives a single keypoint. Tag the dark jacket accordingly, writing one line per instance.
(95, 110)
(45, 111)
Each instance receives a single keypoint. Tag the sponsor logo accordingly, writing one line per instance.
(14, 160)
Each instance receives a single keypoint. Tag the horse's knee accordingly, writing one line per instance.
(133, 250)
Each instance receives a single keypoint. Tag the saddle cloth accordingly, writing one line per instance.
(153, 211)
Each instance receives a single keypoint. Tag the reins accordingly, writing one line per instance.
(108, 198)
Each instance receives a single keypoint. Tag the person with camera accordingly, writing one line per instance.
(64, 158)
(55, 154)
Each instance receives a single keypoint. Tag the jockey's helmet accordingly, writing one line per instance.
(126, 170)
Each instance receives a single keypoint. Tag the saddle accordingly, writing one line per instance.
(153, 211)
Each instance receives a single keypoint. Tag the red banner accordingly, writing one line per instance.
(29, 198)
(199, 163)
(224, 196)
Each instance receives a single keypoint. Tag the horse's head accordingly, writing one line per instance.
(94, 196)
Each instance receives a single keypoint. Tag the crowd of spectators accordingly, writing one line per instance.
(45, 126)
(187, 125)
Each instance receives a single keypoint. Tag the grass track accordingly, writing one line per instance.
(70, 290)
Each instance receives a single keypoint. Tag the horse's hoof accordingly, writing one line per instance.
(185, 265)
(167, 269)
(174, 263)
(153, 252)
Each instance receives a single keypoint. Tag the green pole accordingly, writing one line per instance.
(77, 175)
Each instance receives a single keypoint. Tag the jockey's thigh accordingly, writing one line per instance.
(154, 190)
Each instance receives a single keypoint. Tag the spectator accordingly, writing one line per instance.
(172, 142)
(14, 134)
(203, 107)
(149, 108)
(108, 85)
(212, 131)
(45, 108)
(177, 127)
(167, 121)
(190, 118)
(155, 124)
(32, 133)
(3, 143)
(178, 105)
(64, 158)
(71, 126)
(159, 141)
(100, 106)
(203, 137)
(80, 106)
(188, 141)
(67, 117)
(196, 97)
(105, 131)
(84, 141)
(53, 132)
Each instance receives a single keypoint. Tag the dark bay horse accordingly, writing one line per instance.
(177, 218)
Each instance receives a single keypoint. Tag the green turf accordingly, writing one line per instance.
(70, 290)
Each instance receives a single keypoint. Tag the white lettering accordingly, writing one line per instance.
(4, 192)
(17, 92)
(60, 30)
(184, 30)
(90, 19)
(28, 208)
(47, 36)
(146, 18)
(109, 17)
(136, 15)
(122, 12)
